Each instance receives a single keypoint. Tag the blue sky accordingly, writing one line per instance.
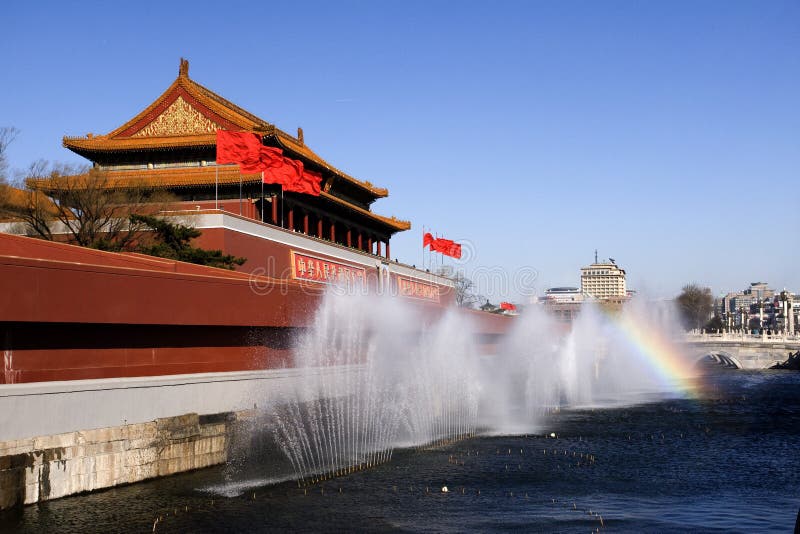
(666, 135)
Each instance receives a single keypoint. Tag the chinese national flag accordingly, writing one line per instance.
(293, 177)
(442, 245)
(309, 183)
(242, 148)
(447, 247)
(453, 250)
(507, 306)
(246, 150)
(285, 171)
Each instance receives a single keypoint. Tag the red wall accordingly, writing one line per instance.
(70, 313)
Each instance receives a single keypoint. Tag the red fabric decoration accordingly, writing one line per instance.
(507, 306)
(427, 240)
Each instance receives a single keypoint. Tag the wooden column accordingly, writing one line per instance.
(291, 219)
(274, 210)
(305, 223)
(360, 242)
(379, 252)
(333, 231)
(388, 255)
(369, 244)
(319, 228)
(349, 237)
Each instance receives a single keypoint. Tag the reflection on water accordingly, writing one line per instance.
(726, 463)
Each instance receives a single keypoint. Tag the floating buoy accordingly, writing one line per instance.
(552, 434)
(444, 489)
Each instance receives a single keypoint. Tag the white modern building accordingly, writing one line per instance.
(563, 294)
(603, 280)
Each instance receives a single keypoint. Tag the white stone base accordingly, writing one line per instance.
(49, 467)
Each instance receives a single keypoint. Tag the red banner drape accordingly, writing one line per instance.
(507, 306)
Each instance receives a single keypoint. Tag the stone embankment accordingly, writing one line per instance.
(49, 467)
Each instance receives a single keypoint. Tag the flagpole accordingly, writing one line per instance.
(281, 186)
(430, 256)
(263, 207)
(240, 193)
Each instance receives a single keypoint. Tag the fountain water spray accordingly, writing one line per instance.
(378, 373)
(375, 376)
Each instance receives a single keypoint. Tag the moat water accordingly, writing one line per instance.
(727, 462)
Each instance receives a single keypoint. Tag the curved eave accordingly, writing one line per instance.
(394, 224)
(102, 144)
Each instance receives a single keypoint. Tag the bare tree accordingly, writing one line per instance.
(466, 297)
(7, 135)
(696, 305)
(34, 209)
(87, 206)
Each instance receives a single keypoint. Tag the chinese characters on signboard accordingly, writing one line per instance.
(325, 271)
(420, 290)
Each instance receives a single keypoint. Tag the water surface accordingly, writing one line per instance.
(726, 463)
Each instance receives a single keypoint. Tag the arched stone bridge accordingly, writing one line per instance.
(741, 351)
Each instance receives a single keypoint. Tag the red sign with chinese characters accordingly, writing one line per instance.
(325, 271)
(419, 290)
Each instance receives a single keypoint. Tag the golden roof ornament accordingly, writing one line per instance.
(300, 135)
(183, 70)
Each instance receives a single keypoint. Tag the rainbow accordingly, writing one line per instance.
(674, 369)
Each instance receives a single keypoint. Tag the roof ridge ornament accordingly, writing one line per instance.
(300, 136)
(183, 70)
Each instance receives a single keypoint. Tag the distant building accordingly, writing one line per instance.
(563, 294)
(758, 308)
(760, 291)
(603, 280)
